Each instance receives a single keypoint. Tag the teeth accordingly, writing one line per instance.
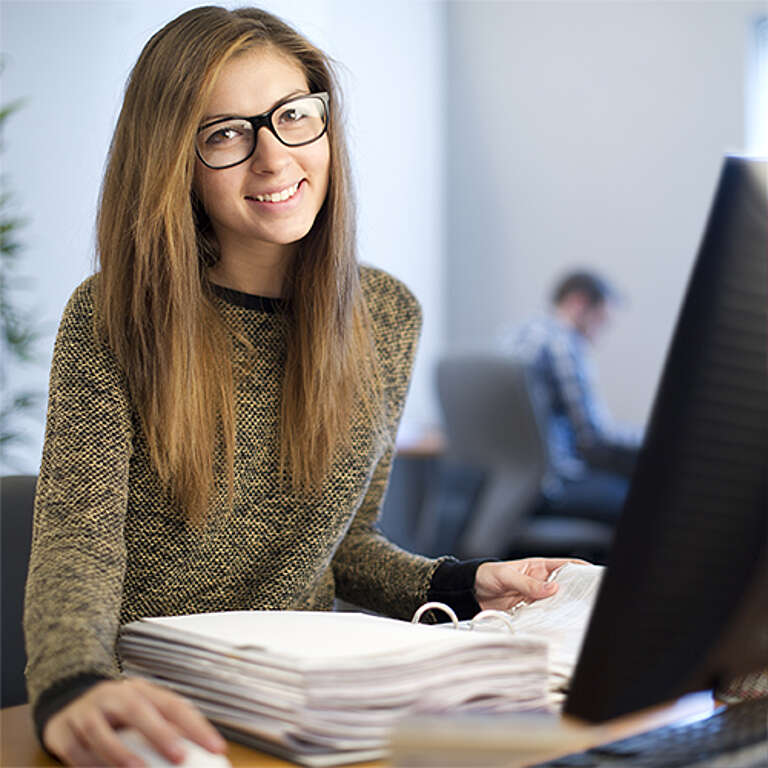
(277, 197)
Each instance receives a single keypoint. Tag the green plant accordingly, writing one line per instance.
(19, 331)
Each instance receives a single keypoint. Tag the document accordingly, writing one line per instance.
(325, 688)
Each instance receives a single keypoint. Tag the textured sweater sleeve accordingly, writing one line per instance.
(77, 561)
(372, 572)
(369, 570)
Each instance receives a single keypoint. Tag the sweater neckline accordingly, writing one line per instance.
(249, 300)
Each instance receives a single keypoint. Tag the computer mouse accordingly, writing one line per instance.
(196, 756)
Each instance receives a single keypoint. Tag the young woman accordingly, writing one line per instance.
(225, 391)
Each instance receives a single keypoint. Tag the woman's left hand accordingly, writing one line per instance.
(501, 586)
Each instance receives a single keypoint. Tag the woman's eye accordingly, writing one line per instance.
(223, 135)
(291, 116)
(228, 133)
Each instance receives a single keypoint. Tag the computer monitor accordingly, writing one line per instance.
(684, 601)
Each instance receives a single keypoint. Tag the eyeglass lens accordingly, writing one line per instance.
(229, 142)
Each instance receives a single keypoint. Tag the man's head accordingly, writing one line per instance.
(584, 301)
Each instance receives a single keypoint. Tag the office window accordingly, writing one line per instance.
(757, 89)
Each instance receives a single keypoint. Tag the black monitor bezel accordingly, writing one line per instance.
(683, 607)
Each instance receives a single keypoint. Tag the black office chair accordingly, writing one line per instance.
(17, 496)
(494, 423)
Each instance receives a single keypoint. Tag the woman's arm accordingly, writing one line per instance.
(78, 561)
(368, 569)
(372, 572)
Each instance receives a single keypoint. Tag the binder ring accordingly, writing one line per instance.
(438, 607)
(491, 614)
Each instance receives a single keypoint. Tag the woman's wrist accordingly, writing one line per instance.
(61, 693)
(453, 583)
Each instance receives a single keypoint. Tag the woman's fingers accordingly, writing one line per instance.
(187, 718)
(542, 567)
(138, 711)
(539, 567)
(533, 588)
(85, 731)
(94, 730)
(504, 584)
(63, 742)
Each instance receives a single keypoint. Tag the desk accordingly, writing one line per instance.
(20, 748)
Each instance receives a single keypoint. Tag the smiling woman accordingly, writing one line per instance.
(225, 390)
(262, 190)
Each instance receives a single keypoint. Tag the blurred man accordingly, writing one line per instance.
(591, 457)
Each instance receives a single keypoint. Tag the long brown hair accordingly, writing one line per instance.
(154, 243)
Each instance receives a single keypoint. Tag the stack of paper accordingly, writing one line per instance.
(562, 619)
(327, 688)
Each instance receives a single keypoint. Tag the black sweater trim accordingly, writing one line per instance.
(58, 696)
(453, 583)
(266, 304)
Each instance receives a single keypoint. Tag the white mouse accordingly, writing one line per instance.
(196, 756)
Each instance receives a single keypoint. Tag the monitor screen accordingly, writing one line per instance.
(684, 602)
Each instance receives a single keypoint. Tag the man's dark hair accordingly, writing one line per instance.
(589, 284)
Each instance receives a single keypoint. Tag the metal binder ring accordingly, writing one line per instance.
(492, 614)
(438, 607)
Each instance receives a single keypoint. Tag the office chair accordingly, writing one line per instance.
(17, 496)
(494, 422)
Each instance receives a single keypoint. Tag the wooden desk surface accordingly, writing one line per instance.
(20, 748)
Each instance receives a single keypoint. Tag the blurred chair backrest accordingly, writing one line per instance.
(17, 499)
(493, 423)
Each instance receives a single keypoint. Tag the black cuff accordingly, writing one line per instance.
(453, 583)
(58, 696)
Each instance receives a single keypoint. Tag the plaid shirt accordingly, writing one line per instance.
(561, 359)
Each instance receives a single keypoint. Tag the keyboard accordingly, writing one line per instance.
(731, 737)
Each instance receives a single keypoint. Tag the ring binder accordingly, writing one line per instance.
(560, 620)
(492, 615)
(485, 616)
(325, 688)
(434, 605)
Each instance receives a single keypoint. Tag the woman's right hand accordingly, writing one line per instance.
(83, 732)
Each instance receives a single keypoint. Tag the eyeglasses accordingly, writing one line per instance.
(230, 141)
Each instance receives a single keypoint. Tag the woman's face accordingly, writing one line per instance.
(250, 84)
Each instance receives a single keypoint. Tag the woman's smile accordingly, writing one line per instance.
(280, 196)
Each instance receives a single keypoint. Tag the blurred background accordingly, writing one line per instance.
(494, 144)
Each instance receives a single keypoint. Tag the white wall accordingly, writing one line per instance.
(70, 60)
(757, 87)
(587, 134)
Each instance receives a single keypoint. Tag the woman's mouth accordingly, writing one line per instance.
(277, 197)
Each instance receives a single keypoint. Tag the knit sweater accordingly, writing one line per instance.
(110, 545)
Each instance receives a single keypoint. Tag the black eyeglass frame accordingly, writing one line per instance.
(264, 120)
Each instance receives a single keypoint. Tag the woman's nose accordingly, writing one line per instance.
(270, 154)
